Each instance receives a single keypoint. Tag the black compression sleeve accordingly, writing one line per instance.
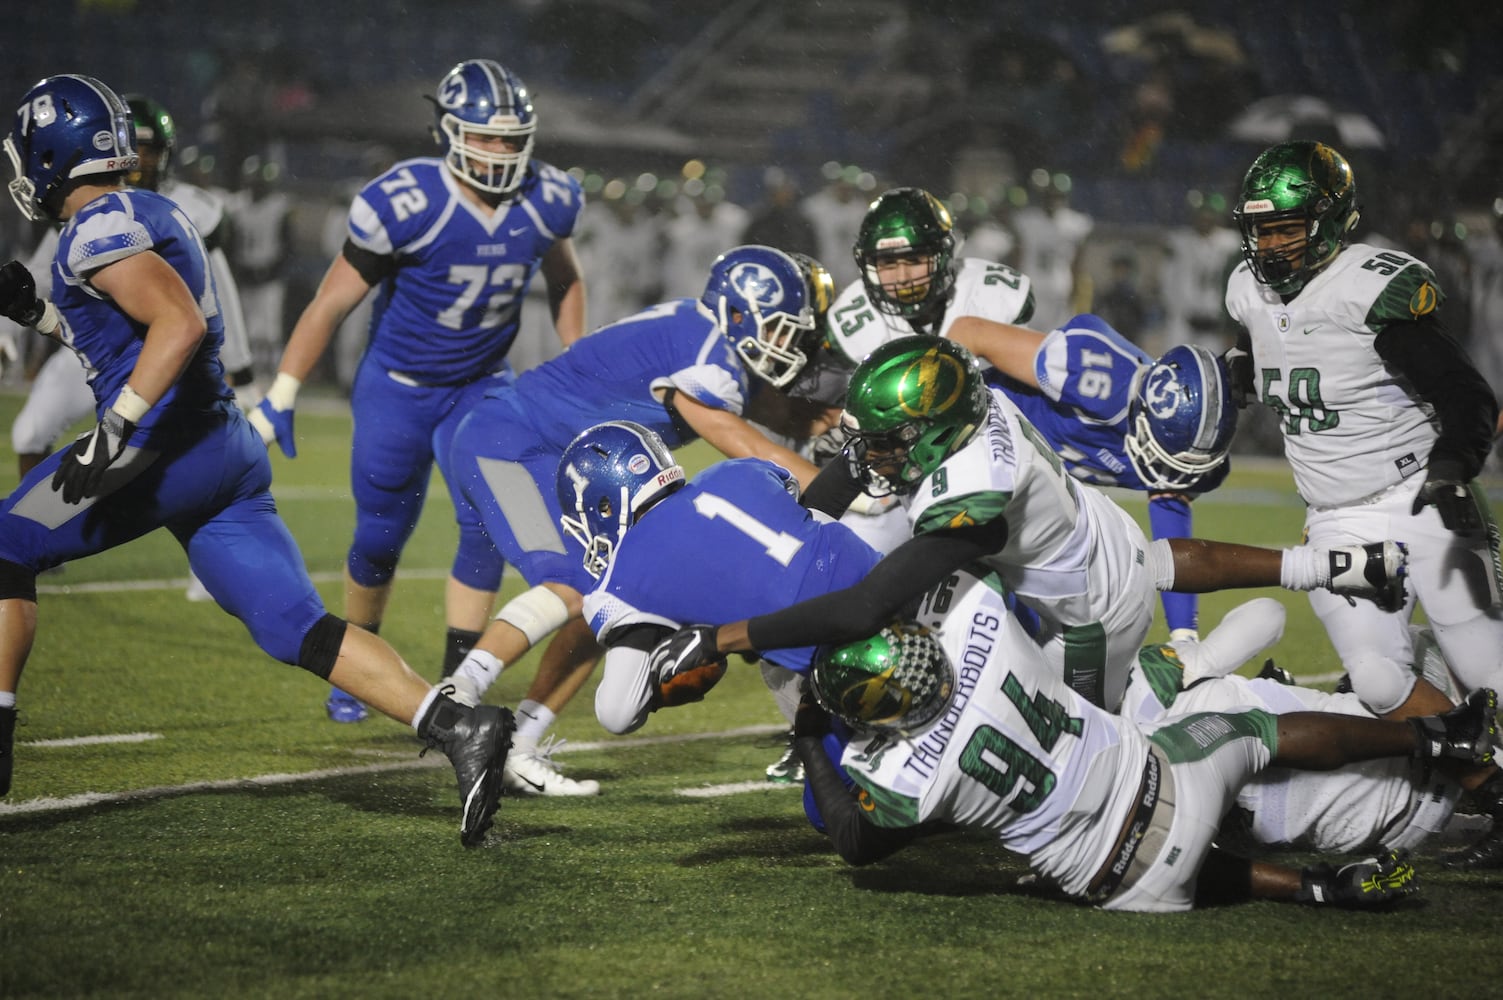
(373, 268)
(862, 609)
(858, 840)
(1423, 352)
(680, 425)
(641, 636)
(834, 490)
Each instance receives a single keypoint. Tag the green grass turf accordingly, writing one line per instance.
(354, 884)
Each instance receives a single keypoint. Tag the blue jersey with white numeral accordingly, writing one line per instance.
(450, 310)
(1087, 373)
(110, 229)
(733, 543)
(612, 375)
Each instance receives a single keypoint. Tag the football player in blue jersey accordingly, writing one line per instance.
(687, 368)
(134, 299)
(453, 243)
(768, 550)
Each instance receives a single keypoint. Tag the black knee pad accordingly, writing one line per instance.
(16, 581)
(320, 649)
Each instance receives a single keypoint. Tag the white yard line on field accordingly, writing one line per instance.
(89, 741)
(266, 780)
(179, 583)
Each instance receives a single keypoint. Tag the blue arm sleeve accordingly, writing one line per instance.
(1169, 517)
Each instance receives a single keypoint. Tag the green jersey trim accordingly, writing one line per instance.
(1162, 669)
(883, 806)
(1196, 737)
(1411, 293)
(962, 511)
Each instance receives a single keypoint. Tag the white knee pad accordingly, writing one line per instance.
(537, 613)
(1382, 683)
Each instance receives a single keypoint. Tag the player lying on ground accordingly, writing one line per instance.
(961, 721)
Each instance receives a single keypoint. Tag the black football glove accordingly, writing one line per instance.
(1446, 488)
(82, 469)
(1239, 372)
(1375, 571)
(1377, 881)
(682, 651)
(1465, 733)
(18, 294)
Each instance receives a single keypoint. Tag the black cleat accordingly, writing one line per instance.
(476, 741)
(1486, 854)
(7, 738)
(1273, 672)
(1464, 733)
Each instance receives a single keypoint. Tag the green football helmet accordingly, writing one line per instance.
(908, 224)
(156, 141)
(899, 679)
(1308, 182)
(911, 404)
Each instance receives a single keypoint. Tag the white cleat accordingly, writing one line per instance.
(533, 772)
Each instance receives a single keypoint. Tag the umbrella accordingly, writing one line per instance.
(1296, 116)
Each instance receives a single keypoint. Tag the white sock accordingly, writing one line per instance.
(422, 708)
(533, 720)
(481, 669)
(1304, 568)
(7, 699)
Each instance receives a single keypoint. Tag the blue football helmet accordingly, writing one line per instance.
(607, 477)
(481, 99)
(1181, 419)
(67, 127)
(774, 317)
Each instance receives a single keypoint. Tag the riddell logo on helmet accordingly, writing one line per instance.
(1257, 205)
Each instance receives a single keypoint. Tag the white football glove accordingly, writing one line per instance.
(1375, 572)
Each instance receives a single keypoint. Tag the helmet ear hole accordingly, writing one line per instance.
(607, 476)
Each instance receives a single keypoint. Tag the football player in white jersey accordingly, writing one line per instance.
(1372, 806)
(979, 484)
(1385, 423)
(1083, 386)
(956, 718)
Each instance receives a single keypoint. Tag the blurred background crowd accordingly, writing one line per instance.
(1094, 145)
